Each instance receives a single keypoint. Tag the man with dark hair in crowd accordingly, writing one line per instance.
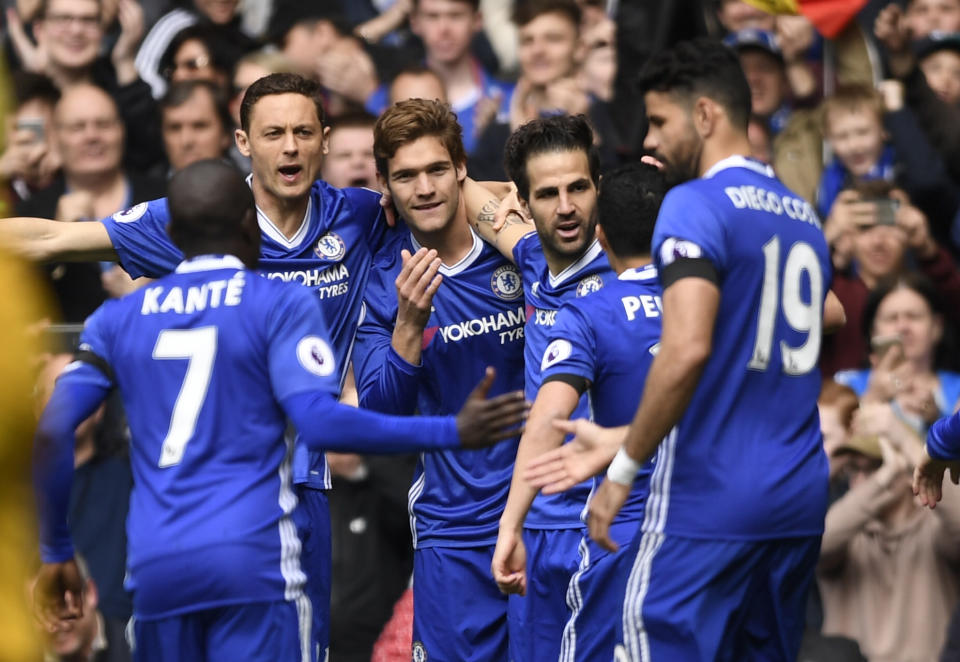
(196, 123)
(349, 160)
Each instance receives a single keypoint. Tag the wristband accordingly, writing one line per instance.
(623, 469)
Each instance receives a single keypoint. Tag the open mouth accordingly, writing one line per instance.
(290, 173)
(360, 181)
(428, 206)
(568, 230)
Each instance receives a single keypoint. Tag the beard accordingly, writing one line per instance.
(551, 244)
(684, 164)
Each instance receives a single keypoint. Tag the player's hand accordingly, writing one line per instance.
(389, 210)
(75, 206)
(483, 422)
(509, 565)
(570, 464)
(604, 505)
(416, 284)
(928, 478)
(510, 207)
(58, 594)
(651, 160)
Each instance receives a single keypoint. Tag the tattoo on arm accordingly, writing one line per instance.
(488, 211)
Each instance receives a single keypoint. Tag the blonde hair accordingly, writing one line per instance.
(851, 99)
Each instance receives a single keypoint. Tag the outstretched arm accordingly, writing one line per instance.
(43, 240)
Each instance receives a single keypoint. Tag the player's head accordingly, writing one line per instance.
(418, 147)
(212, 212)
(282, 132)
(627, 205)
(76, 636)
(694, 92)
(556, 168)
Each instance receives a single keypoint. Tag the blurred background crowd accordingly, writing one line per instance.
(857, 110)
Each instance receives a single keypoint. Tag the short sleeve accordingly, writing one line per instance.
(300, 357)
(369, 213)
(688, 228)
(572, 347)
(139, 236)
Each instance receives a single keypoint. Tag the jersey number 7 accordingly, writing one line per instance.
(199, 347)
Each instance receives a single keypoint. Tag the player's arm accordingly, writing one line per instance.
(942, 453)
(388, 351)
(43, 240)
(482, 208)
(77, 394)
(555, 400)
(834, 316)
(326, 424)
(689, 311)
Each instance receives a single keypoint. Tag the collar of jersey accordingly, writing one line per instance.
(464, 262)
(589, 256)
(737, 161)
(209, 263)
(269, 229)
(646, 272)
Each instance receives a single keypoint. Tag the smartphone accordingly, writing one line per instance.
(35, 125)
(880, 345)
(886, 210)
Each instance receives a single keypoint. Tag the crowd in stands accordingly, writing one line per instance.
(105, 99)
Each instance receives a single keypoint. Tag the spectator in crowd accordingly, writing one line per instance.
(99, 500)
(939, 60)
(318, 42)
(869, 143)
(349, 160)
(69, 37)
(446, 28)
(88, 638)
(888, 567)
(548, 50)
(905, 325)
(222, 14)
(196, 123)
(837, 404)
(926, 16)
(30, 160)
(94, 184)
(416, 83)
(198, 53)
(882, 239)
(250, 68)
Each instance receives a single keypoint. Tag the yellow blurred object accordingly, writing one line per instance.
(20, 350)
(775, 6)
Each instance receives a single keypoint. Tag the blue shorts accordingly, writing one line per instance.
(690, 599)
(312, 517)
(458, 611)
(595, 593)
(255, 632)
(536, 620)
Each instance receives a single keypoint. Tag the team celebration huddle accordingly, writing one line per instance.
(597, 385)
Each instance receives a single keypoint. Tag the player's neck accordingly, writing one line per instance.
(452, 243)
(719, 148)
(619, 265)
(286, 214)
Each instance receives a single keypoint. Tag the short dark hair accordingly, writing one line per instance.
(208, 201)
(29, 87)
(561, 133)
(180, 92)
(353, 120)
(281, 84)
(701, 67)
(628, 203)
(474, 4)
(412, 119)
(212, 38)
(526, 10)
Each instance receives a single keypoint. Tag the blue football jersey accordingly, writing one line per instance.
(545, 294)
(331, 254)
(748, 460)
(609, 339)
(210, 511)
(477, 320)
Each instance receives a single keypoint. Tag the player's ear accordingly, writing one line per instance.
(243, 142)
(461, 172)
(602, 238)
(704, 116)
(326, 140)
